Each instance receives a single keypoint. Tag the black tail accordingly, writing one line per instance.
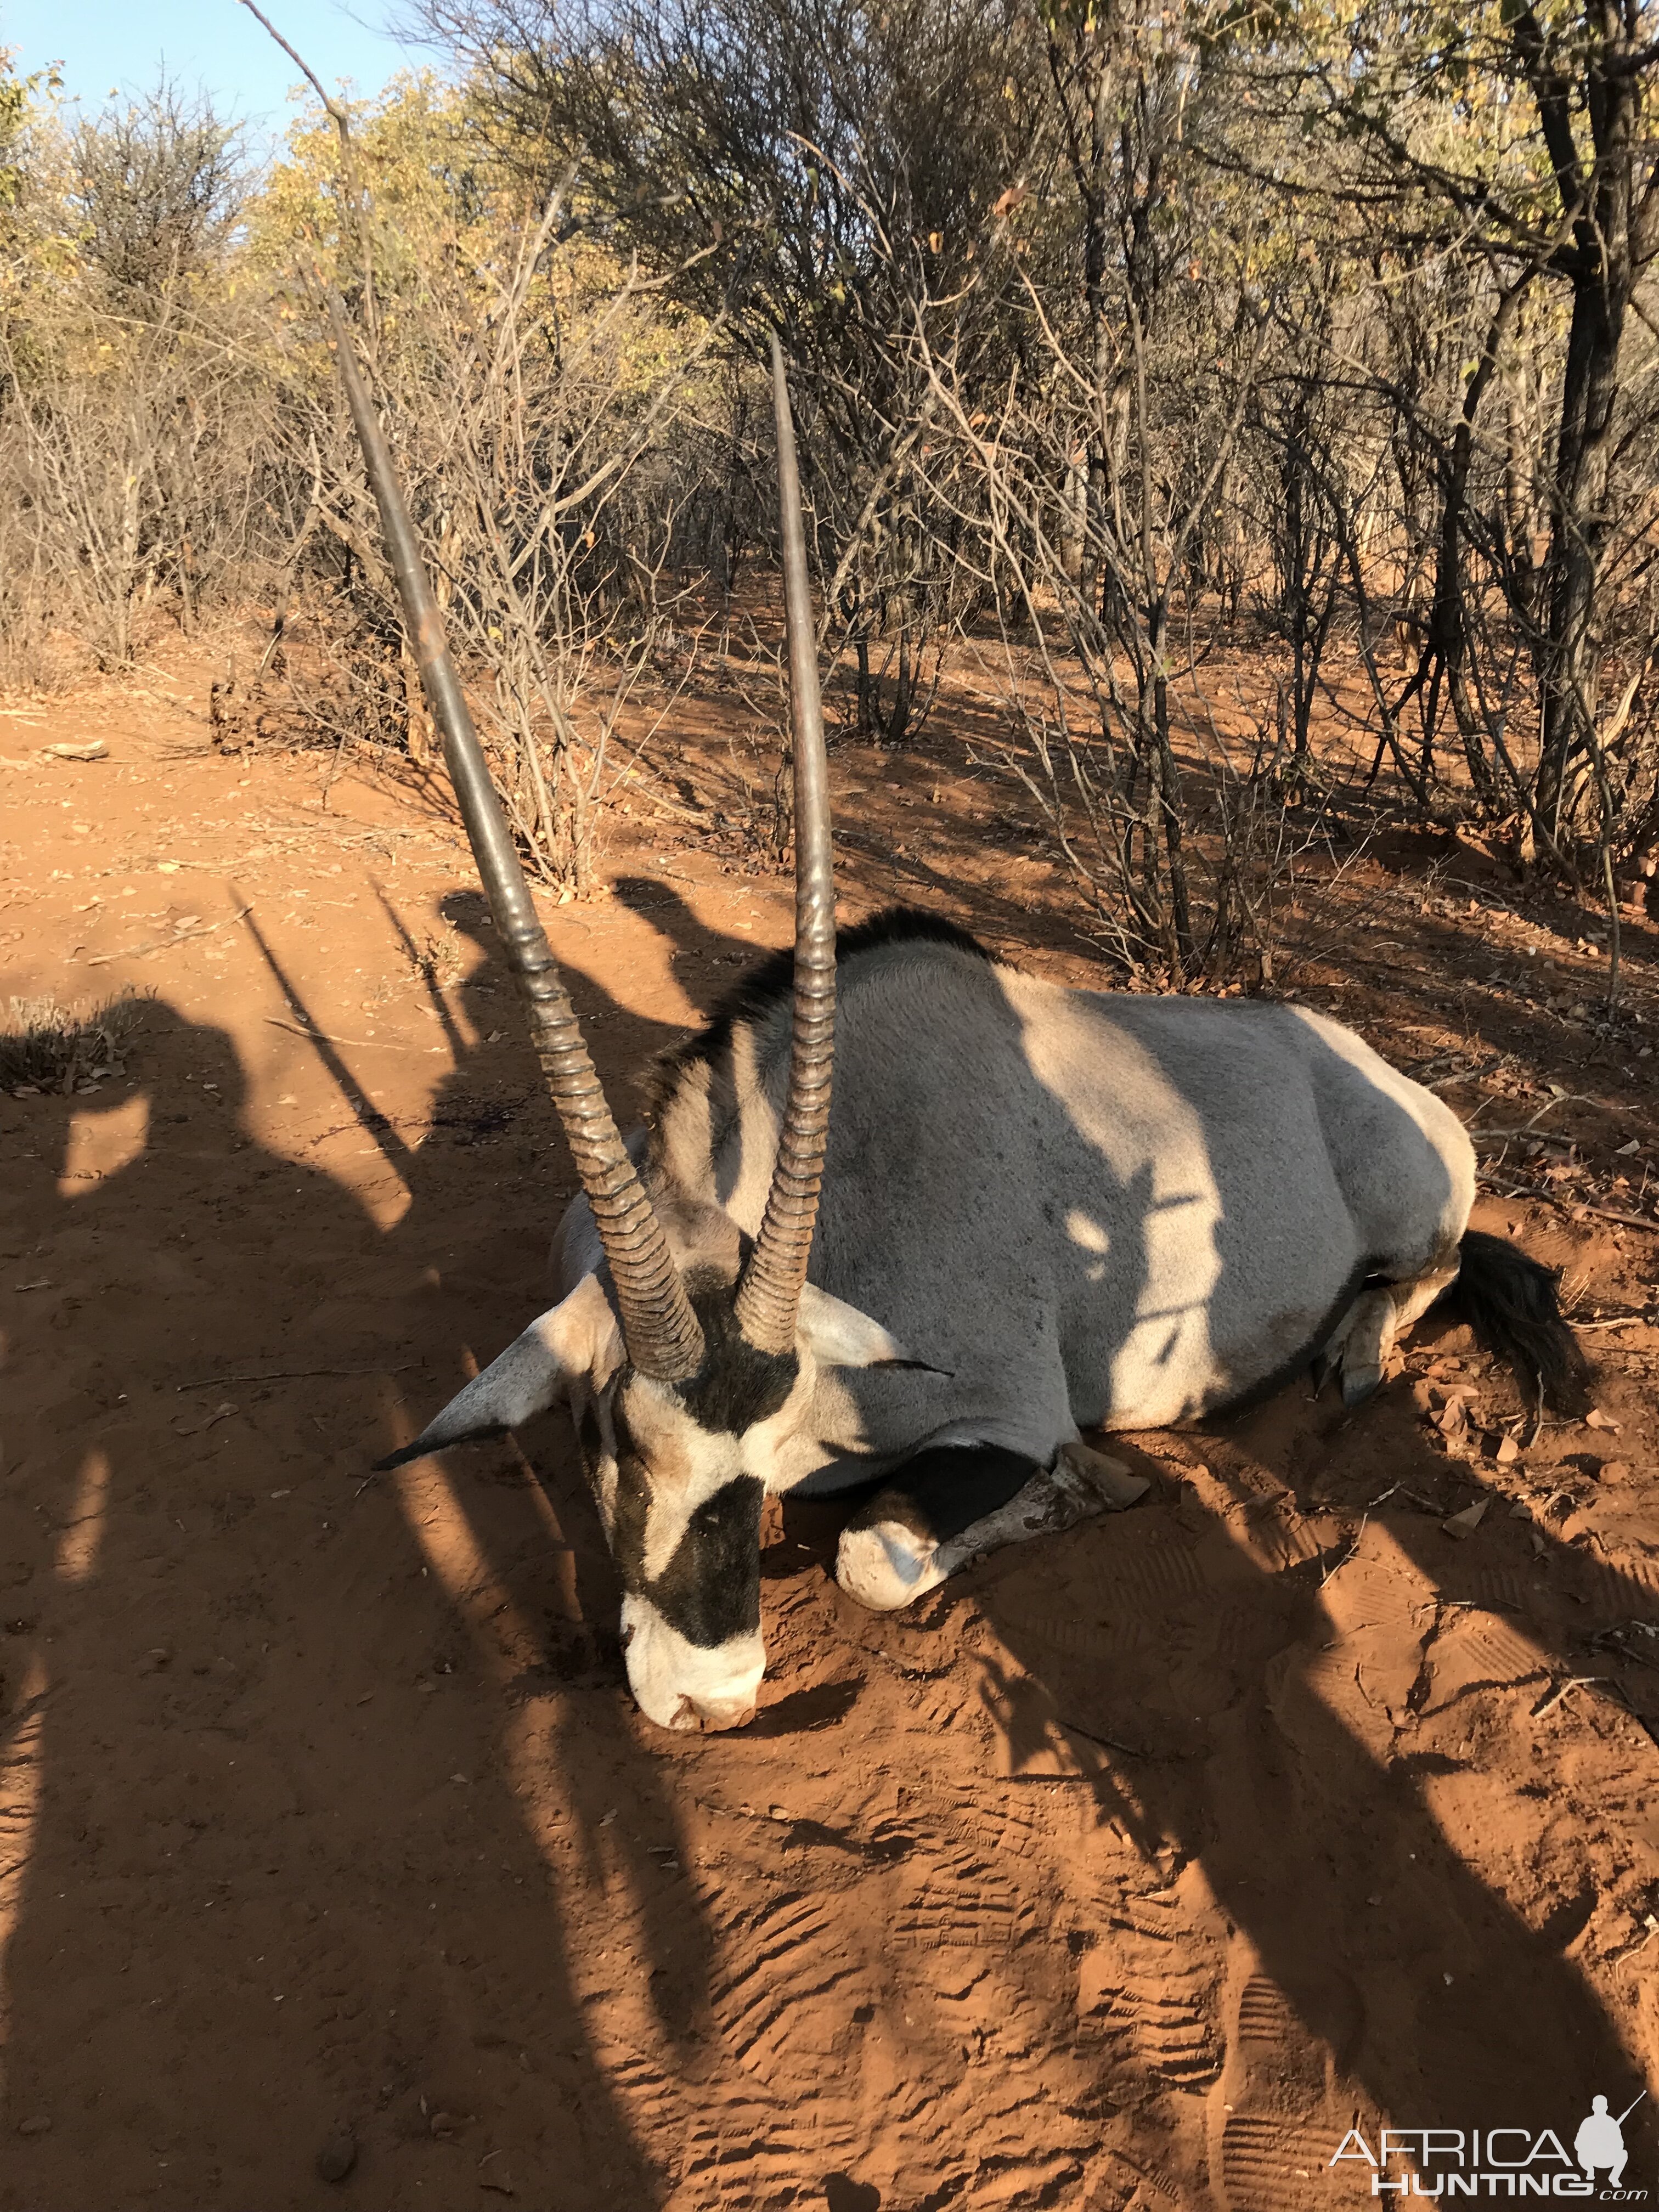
(1509, 1302)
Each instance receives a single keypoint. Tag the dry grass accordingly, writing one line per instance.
(45, 1045)
(440, 958)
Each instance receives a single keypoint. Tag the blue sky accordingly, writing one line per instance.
(214, 45)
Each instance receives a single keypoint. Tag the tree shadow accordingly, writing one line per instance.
(272, 1863)
(1336, 1831)
(486, 1189)
(292, 1860)
(1208, 1666)
(1322, 1839)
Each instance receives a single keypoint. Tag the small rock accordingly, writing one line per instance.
(1596, 1419)
(337, 2156)
(38, 2124)
(1613, 1470)
(444, 2125)
(1508, 1452)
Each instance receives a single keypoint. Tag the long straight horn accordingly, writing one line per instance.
(768, 1296)
(659, 1328)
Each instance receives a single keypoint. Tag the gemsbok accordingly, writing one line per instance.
(1032, 1212)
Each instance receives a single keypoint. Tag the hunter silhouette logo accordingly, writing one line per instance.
(1509, 2162)
(1600, 2141)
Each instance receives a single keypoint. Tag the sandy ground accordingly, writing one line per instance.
(1132, 1870)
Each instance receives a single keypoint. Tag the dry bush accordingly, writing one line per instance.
(45, 1045)
(138, 386)
(1110, 330)
(550, 429)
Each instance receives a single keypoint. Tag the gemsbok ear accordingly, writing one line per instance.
(839, 1335)
(578, 1337)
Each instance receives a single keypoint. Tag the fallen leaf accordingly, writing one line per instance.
(1624, 1151)
(1466, 1523)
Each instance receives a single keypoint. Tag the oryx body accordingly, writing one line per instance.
(1032, 1210)
(1079, 1209)
(1043, 1211)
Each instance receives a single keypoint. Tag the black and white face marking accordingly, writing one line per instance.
(678, 1473)
(686, 1482)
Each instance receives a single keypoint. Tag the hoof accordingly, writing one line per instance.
(1115, 1484)
(735, 1713)
(1359, 1382)
(883, 1567)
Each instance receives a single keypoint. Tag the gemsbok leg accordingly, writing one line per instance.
(958, 1502)
(1359, 1346)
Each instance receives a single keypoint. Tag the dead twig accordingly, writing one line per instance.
(1571, 1206)
(165, 943)
(322, 1036)
(293, 1375)
(1553, 1696)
